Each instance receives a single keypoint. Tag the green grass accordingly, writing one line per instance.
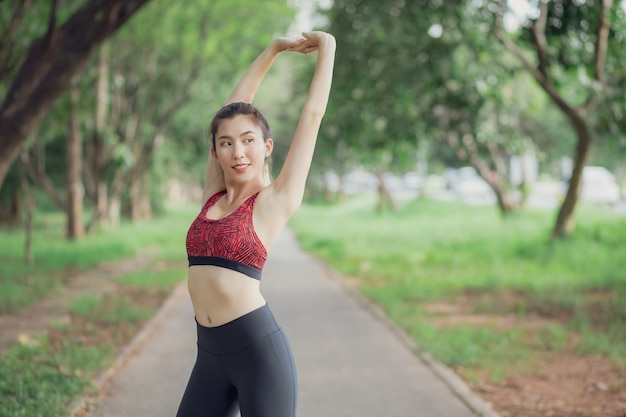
(57, 259)
(40, 377)
(440, 251)
(152, 279)
(112, 309)
(38, 381)
(85, 305)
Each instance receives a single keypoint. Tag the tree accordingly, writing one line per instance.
(156, 72)
(49, 65)
(413, 72)
(579, 51)
(124, 100)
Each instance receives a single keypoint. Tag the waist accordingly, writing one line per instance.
(220, 295)
(238, 333)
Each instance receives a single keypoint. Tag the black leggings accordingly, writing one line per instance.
(245, 365)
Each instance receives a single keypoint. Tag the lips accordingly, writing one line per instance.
(240, 167)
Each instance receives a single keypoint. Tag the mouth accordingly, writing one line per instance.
(240, 167)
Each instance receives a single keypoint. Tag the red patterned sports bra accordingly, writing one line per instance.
(229, 242)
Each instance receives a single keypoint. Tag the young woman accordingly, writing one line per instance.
(244, 361)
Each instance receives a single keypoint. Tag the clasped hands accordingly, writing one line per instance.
(309, 42)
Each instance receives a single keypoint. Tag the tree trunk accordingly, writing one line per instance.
(95, 174)
(565, 220)
(29, 257)
(384, 196)
(49, 66)
(75, 190)
(504, 202)
(466, 150)
(139, 198)
(114, 213)
(12, 212)
(100, 209)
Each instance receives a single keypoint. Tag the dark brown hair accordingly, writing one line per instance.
(240, 108)
(235, 109)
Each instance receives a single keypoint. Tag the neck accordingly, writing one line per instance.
(238, 192)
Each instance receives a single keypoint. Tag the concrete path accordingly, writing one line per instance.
(351, 361)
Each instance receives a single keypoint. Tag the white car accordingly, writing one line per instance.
(599, 186)
(470, 187)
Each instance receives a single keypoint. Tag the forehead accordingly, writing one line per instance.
(237, 125)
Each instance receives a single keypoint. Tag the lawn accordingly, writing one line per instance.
(449, 273)
(40, 376)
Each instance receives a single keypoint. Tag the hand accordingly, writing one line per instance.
(311, 41)
(315, 40)
(288, 44)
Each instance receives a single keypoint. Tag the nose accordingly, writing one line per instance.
(237, 150)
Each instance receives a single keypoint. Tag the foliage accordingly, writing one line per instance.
(425, 71)
(223, 55)
(165, 80)
(399, 62)
(572, 34)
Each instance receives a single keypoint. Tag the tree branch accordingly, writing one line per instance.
(49, 67)
(7, 40)
(538, 35)
(52, 23)
(599, 59)
(602, 42)
(542, 79)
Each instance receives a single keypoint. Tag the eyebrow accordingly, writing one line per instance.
(230, 137)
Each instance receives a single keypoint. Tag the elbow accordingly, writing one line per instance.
(314, 112)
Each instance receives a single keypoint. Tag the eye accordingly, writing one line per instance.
(225, 143)
(248, 140)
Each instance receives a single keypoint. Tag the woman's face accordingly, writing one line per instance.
(240, 149)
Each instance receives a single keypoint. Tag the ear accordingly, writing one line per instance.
(269, 147)
(213, 153)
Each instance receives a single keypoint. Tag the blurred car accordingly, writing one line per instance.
(599, 186)
(392, 182)
(413, 181)
(359, 181)
(469, 186)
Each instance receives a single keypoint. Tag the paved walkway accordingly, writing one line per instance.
(351, 361)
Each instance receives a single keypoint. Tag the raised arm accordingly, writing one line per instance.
(290, 183)
(244, 91)
(251, 80)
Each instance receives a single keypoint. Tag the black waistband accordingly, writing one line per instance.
(239, 333)
(248, 270)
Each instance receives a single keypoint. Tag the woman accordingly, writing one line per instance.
(244, 361)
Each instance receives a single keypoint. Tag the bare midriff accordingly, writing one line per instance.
(221, 295)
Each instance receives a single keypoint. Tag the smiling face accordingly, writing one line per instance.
(240, 148)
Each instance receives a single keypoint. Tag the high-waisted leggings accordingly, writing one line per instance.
(245, 365)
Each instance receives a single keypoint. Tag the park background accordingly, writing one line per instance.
(447, 186)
